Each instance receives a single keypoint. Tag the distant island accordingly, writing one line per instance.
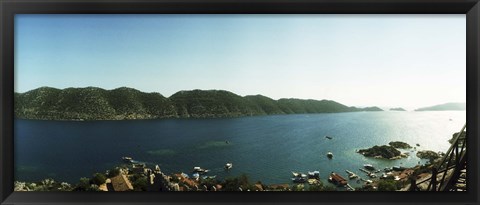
(444, 107)
(397, 109)
(386, 151)
(92, 103)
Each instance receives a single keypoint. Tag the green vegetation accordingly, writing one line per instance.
(99, 179)
(93, 103)
(44, 185)
(427, 154)
(113, 172)
(85, 185)
(387, 185)
(235, 183)
(372, 109)
(139, 182)
(462, 136)
(400, 145)
(446, 106)
(384, 151)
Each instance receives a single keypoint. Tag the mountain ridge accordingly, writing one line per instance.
(93, 103)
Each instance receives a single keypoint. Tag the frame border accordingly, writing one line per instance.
(9, 8)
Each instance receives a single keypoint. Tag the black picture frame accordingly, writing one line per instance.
(8, 8)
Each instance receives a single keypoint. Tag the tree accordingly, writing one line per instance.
(329, 188)
(83, 184)
(99, 179)
(387, 185)
(139, 182)
(113, 172)
(233, 184)
(315, 187)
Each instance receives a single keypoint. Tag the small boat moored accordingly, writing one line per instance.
(328, 137)
(299, 180)
(299, 177)
(228, 165)
(337, 179)
(398, 168)
(314, 175)
(330, 155)
(199, 170)
(369, 166)
(196, 176)
(210, 177)
(351, 175)
(127, 159)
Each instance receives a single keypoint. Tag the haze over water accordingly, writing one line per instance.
(266, 148)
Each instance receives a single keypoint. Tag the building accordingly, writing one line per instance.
(120, 183)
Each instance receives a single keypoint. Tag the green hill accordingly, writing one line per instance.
(93, 103)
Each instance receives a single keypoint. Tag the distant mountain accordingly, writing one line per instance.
(93, 103)
(444, 107)
(397, 109)
(372, 109)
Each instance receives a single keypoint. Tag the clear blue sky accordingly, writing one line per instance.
(357, 60)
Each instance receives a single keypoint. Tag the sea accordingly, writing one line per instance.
(265, 148)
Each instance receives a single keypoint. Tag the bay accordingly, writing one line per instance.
(266, 148)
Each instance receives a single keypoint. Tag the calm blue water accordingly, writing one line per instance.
(267, 148)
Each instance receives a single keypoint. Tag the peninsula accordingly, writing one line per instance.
(92, 103)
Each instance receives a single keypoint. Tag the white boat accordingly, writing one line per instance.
(200, 170)
(228, 166)
(384, 176)
(369, 166)
(298, 174)
(299, 180)
(127, 159)
(314, 175)
(330, 155)
(295, 174)
(351, 175)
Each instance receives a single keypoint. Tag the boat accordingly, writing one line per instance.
(228, 166)
(337, 179)
(200, 170)
(210, 177)
(314, 175)
(196, 176)
(372, 175)
(350, 188)
(330, 155)
(127, 159)
(351, 175)
(418, 145)
(369, 166)
(384, 176)
(328, 137)
(398, 168)
(299, 179)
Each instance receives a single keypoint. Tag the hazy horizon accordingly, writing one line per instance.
(407, 61)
